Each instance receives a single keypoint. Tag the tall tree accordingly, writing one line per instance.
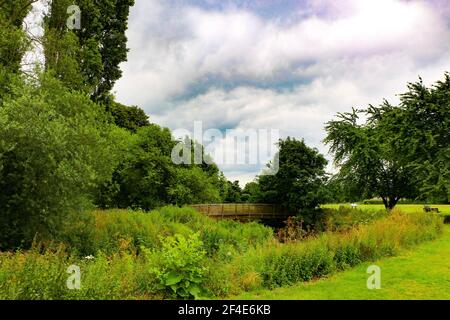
(13, 40)
(419, 131)
(298, 183)
(366, 159)
(88, 58)
(399, 151)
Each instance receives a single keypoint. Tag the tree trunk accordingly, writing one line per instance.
(385, 202)
(389, 202)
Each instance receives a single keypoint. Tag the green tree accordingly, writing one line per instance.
(13, 41)
(367, 162)
(148, 178)
(88, 58)
(298, 183)
(55, 148)
(233, 193)
(421, 127)
(131, 118)
(252, 192)
(399, 151)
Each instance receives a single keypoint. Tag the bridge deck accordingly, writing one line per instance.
(242, 211)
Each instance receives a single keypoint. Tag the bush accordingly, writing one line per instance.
(55, 147)
(181, 268)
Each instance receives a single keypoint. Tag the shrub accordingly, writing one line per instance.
(181, 270)
(55, 147)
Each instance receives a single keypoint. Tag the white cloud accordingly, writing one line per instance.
(355, 54)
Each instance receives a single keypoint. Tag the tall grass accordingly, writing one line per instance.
(129, 260)
(277, 264)
(126, 230)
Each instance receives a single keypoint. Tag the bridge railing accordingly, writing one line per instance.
(242, 210)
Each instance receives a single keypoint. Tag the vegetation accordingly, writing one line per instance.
(88, 58)
(400, 151)
(178, 253)
(295, 179)
(68, 151)
(55, 146)
(417, 274)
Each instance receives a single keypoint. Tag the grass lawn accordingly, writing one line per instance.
(420, 273)
(443, 208)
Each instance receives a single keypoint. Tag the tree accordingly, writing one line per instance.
(88, 59)
(131, 118)
(298, 184)
(56, 146)
(13, 41)
(366, 159)
(399, 151)
(422, 123)
(233, 193)
(252, 192)
(147, 177)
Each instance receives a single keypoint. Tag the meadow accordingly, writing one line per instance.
(419, 273)
(176, 253)
(407, 208)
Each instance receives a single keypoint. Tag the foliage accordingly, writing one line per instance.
(13, 42)
(281, 265)
(181, 269)
(125, 273)
(251, 192)
(95, 50)
(233, 193)
(127, 231)
(418, 274)
(130, 118)
(298, 183)
(367, 162)
(147, 177)
(422, 124)
(400, 151)
(55, 147)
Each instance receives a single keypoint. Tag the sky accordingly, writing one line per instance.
(279, 65)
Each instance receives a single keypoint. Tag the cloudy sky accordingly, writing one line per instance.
(271, 64)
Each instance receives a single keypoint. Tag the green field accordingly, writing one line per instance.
(443, 208)
(420, 273)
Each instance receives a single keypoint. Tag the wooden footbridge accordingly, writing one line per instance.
(243, 211)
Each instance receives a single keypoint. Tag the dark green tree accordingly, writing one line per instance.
(298, 183)
(252, 193)
(13, 41)
(398, 151)
(368, 164)
(131, 118)
(148, 178)
(234, 192)
(88, 58)
(420, 129)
